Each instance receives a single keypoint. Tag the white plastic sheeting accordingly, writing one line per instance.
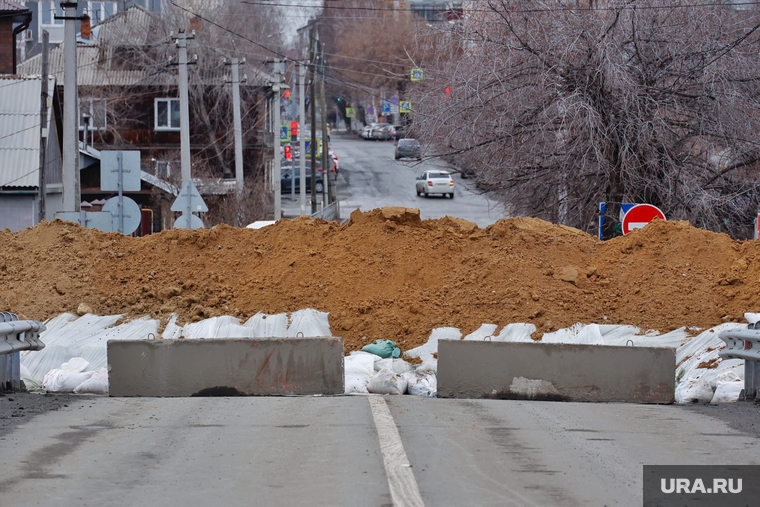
(431, 347)
(68, 336)
(481, 333)
(307, 323)
(270, 326)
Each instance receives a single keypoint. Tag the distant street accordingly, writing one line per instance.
(371, 178)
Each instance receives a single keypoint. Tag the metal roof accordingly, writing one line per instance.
(20, 129)
(123, 36)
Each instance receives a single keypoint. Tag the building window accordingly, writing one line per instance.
(96, 110)
(167, 114)
(48, 12)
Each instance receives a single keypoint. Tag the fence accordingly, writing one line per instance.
(329, 212)
(15, 336)
(744, 343)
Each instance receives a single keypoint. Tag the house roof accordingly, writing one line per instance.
(20, 129)
(101, 61)
(6, 6)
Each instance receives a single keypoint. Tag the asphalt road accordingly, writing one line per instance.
(370, 177)
(315, 451)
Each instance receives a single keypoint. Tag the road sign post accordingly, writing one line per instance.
(188, 201)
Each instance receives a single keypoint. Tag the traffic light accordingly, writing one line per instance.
(293, 131)
(287, 93)
(447, 91)
(288, 152)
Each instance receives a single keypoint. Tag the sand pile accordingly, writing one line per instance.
(387, 274)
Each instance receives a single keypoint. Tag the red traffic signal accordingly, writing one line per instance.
(447, 91)
(294, 129)
(287, 93)
(288, 153)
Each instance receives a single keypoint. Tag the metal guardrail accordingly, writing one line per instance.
(744, 343)
(15, 336)
(329, 212)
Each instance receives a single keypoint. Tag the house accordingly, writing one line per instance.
(44, 13)
(129, 100)
(14, 20)
(21, 142)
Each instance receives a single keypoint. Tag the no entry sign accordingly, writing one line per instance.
(640, 215)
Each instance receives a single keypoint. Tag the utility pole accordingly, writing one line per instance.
(276, 131)
(71, 192)
(238, 128)
(43, 124)
(313, 104)
(326, 185)
(302, 137)
(184, 105)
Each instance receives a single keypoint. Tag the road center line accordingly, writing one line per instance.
(403, 486)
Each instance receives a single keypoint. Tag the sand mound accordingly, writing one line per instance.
(387, 274)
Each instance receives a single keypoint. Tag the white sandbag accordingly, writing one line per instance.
(396, 365)
(728, 388)
(97, 384)
(357, 367)
(429, 363)
(386, 382)
(62, 381)
(693, 390)
(421, 383)
(66, 378)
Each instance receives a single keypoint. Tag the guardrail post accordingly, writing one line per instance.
(15, 336)
(751, 379)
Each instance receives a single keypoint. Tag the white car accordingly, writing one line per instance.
(435, 182)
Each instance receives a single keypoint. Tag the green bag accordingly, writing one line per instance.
(383, 348)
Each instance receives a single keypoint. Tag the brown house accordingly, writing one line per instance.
(129, 100)
(14, 19)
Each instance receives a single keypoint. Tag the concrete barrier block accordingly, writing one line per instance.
(226, 367)
(562, 372)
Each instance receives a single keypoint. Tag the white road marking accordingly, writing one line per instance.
(404, 489)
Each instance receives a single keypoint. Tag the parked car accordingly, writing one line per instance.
(400, 131)
(287, 180)
(408, 148)
(368, 131)
(435, 182)
(385, 133)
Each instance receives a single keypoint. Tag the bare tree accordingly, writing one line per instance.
(558, 108)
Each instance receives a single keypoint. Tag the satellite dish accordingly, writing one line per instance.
(131, 211)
